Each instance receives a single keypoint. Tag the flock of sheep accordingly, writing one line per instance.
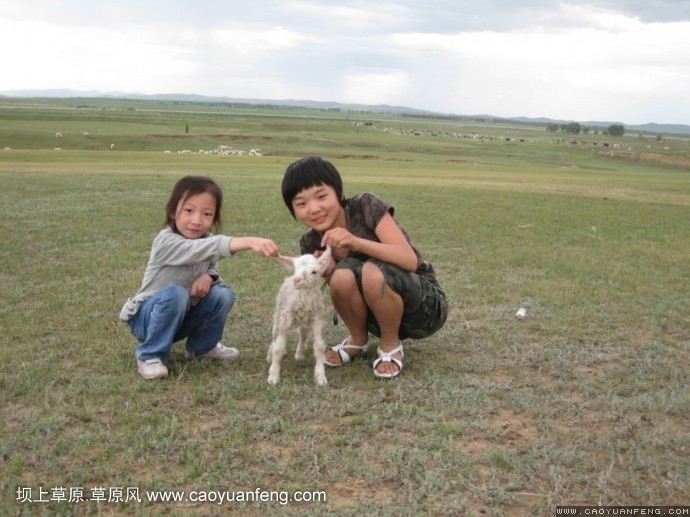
(487, 138)
(222, 150)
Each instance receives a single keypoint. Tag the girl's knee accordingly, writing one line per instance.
(342, 280)
(373, 279)
(174, 295)
(371, 272)
(222, 294)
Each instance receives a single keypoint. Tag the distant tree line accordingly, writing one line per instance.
(573, 128)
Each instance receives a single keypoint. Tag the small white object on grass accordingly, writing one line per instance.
(521, 314)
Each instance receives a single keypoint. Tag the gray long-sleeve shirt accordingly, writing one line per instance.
(176, 260)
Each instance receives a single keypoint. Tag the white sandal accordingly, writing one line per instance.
(344, 356)
(387, 357)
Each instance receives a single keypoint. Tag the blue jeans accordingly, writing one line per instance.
(168, 316)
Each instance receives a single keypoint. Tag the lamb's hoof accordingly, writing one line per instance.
(273, 381)
(321, 381)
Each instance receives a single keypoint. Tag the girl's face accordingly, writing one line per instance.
(319, 208)
(194, 216)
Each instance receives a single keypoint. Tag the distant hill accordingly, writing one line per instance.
(185, 97)
(651, 127)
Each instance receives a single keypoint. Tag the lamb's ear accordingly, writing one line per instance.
(325, 258)
(288, 262)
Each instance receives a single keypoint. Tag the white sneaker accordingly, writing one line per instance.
(152, 369)
(223, 353)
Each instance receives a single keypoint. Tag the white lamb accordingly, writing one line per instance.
(299, 304)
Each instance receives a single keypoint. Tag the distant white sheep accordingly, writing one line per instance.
(58, 135)
(299, 304)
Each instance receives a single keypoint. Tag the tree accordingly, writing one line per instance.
(552, 128)
(616, 130)
(573, 128)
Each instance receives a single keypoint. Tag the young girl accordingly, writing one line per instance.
(182, 294)
(378, 281)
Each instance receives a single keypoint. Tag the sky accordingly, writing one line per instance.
(624, 61)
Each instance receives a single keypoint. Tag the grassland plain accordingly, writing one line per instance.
(585, 401)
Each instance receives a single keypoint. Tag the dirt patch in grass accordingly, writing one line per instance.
(356, 157)
(253, 138)
(352, 494)
(664, 159)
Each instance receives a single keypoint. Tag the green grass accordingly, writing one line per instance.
(586, 401)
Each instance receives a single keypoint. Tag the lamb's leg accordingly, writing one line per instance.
(319, 353)
(280, 321)
(269, 355)
(300, 353)
(277, 350)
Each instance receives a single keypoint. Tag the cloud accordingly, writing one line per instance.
(375, 87)
(233, 43)
(376, 16)
(96, 57)
(575, 72)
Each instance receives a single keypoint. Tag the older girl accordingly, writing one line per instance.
(182, 294)
(378, 281)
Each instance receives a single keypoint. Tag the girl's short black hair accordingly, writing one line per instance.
(309, 172)
(192, 186)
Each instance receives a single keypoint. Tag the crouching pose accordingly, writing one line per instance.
(378, 281)
(182, 295)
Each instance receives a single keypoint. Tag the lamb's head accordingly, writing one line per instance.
(307, 269)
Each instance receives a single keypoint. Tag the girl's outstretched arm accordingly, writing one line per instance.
(259, 245)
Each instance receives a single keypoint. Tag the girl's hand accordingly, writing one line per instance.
(340, 238)
(259, 245)
(201, 286)
(264, 247)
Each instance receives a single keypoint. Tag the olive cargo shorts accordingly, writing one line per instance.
(426, 307)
